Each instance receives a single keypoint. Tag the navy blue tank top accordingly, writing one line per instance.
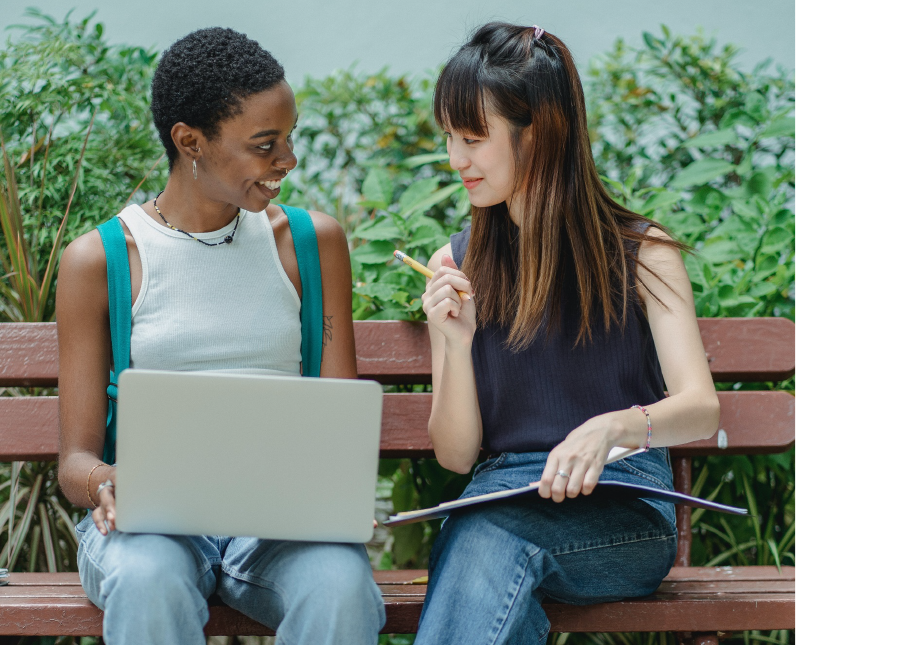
(532, 399)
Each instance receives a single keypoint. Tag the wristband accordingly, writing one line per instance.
(89, 481)
(648, 424)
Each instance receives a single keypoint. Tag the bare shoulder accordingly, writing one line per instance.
(436, 260)
(82, 284)
(84, 258)
(326, 227)
(657, 255)
(662, 274)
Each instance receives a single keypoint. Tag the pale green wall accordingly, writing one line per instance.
(311, 37)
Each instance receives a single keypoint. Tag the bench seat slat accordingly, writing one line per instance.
(418, 590)
(407, 576)
(690, 599)
(754, 422)
(393, 351)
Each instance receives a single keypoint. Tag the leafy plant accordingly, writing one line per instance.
(25, 293)
(419, 223)
(56, 78)
(40, 524)
(349, 124)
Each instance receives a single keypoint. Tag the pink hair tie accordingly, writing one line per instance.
(538, 31)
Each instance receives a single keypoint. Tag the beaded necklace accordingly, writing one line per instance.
(228, 238)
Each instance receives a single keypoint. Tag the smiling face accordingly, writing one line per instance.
(485, 164)
(246, 162)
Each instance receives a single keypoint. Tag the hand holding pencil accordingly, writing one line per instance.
(423, 270)
(447, 300)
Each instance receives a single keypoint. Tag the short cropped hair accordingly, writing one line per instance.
(202, 78)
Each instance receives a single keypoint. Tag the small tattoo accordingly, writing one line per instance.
(327, 330)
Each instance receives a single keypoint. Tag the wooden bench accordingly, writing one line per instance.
(696, 602)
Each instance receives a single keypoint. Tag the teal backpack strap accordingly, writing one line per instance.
(305, 244)
(120, 313)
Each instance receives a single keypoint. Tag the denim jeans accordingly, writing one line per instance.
(153, 588)
(492, 565)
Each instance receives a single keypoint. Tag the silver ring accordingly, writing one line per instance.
(561, 473)
(106, 484)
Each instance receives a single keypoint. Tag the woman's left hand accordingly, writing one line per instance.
(581, 456)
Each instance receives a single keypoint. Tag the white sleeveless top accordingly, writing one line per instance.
(229, 308)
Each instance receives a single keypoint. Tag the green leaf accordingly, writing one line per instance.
(776, 239)
(735, 227)
(728, 297)
(736, 116)
(651, 41)
(755, 106)
(760, 184)
(380, 228)
(376, 252)
(684, 223)
(763, 289)
(701, 172)
(387, 467)
(377, 290)
(377, 189)
(403, 494)
(421, 160)
(660, 201)
(417, 192)
(715, 139)
(719, 250)
(407, 542)
(781, 127)
(433, 199)
(388, 313)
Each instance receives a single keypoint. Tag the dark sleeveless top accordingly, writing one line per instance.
(530, 400)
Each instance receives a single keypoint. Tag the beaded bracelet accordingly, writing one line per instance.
(648, 424)
(88, 481)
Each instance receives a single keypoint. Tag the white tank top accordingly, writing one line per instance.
(229, 308)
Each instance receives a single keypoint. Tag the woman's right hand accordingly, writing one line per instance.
(105, 515)
(452, 315)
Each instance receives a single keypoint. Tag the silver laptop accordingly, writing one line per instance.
(263, 456)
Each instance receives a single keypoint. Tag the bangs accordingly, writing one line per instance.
(459, 98)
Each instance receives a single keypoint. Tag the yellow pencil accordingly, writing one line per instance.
(423, 270)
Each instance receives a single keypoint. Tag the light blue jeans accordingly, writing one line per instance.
(492, 565)
(153, 588)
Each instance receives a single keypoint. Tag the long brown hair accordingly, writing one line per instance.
(570, 224)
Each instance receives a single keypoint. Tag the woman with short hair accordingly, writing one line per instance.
(215, 286)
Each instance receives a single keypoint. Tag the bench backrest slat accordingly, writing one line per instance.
(754, 422)
(398, 352)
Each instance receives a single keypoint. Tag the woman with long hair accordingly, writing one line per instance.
(577, 315)
(214, 285)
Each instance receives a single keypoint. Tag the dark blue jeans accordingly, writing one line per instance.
(492, 565)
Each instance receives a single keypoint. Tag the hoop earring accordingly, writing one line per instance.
(194, 169)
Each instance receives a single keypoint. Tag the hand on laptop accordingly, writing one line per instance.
(104, 514)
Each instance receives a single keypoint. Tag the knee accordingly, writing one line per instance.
(141, 568)
(476, 553)
(478, 538)
(347, 577)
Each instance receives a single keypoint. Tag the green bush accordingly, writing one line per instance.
(53, 77)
